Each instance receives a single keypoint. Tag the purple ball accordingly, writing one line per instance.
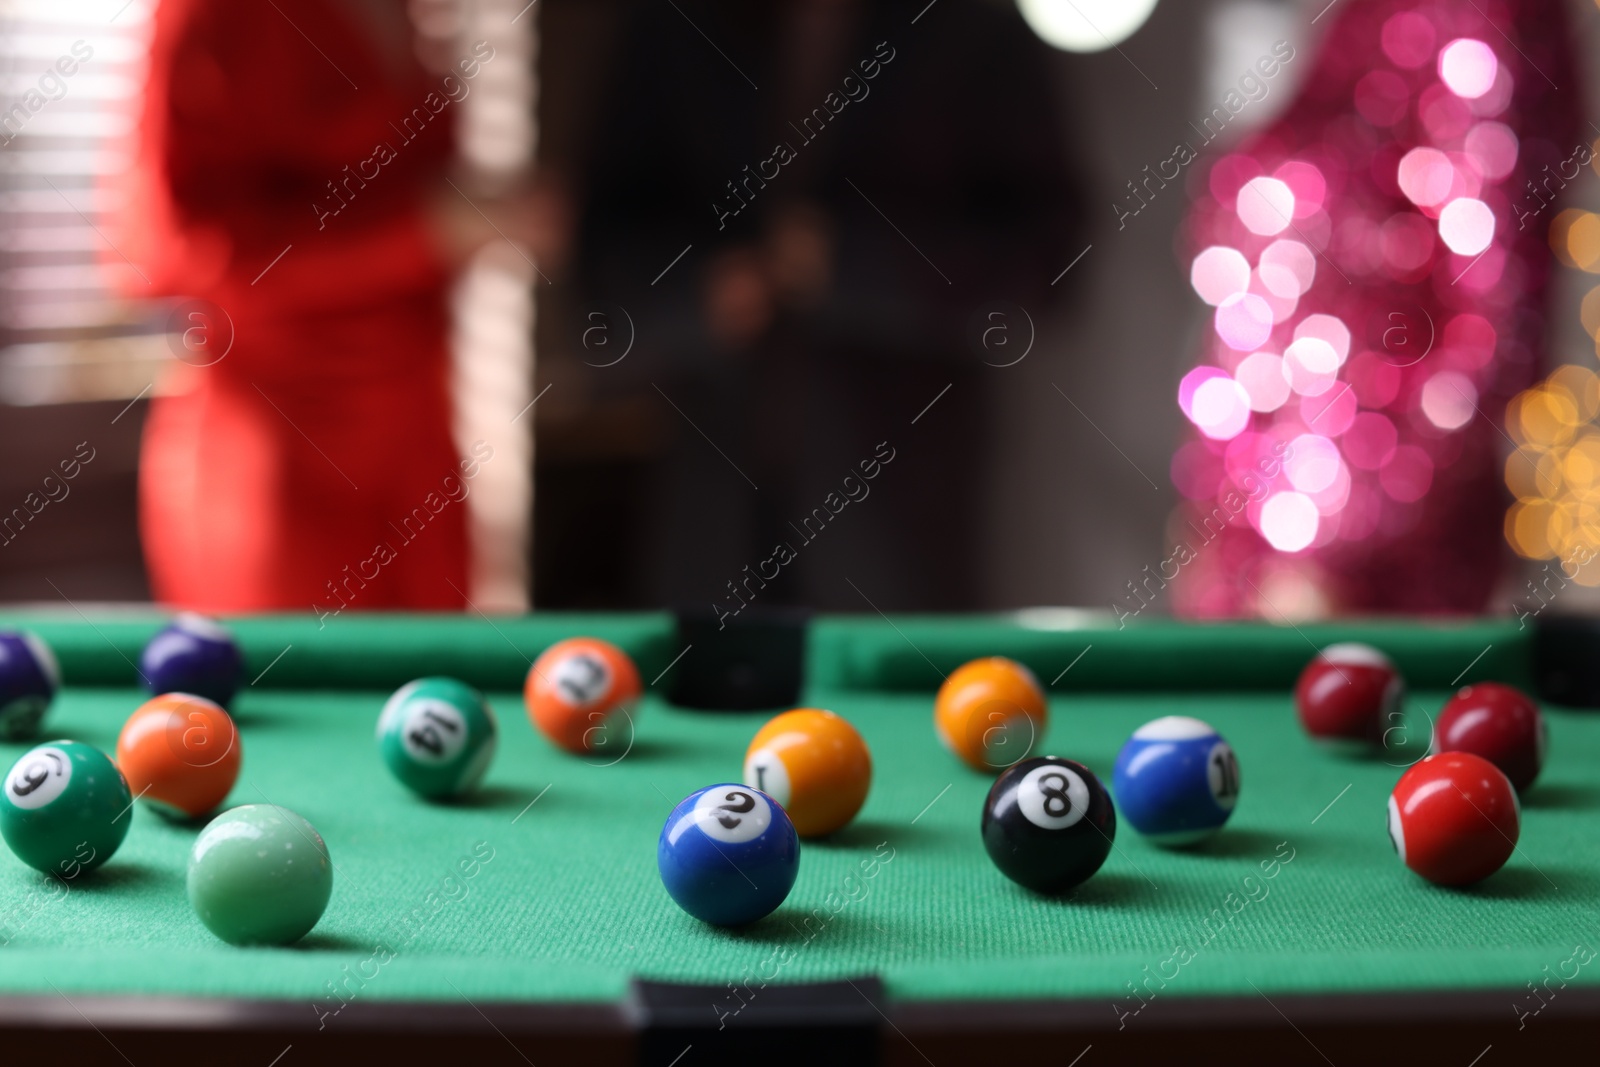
(29, 679)
(195, 655)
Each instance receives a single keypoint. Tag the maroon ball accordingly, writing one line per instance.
(1499, 723)
(1349, 695)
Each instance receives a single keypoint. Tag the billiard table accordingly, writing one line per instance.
(528, 924)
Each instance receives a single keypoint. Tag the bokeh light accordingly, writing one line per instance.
(1554, 473)
(1575, 239)
(1468, 67)
(1221, 408)
(1426, 176)
(1218, 273)
(1289, 521)
(1449, 400)
(1466, 225)
(1492, 147)
(1294, 257)
(1408, 40)
(1373, 267)
(1265, 206)
(1085, 25)
(1244, 321)
(1310, 364)
(1262, 376)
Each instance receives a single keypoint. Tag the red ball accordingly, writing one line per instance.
(1499, 723)
(1454, 818)
(1351, 693)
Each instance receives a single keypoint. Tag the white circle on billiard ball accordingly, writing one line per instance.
(432, 731)
(1222, 775)
(39, 777)
(1356, 655)
(1174, 728)
(581, 679)
(201, 626)
(732, 815)
(767, 772)
(1049, 803)
(1397, 831)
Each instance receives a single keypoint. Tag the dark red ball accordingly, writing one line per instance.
(1499, 723)
(1454, 818)
(1350, 694)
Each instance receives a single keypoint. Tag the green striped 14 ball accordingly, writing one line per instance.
(437, 736)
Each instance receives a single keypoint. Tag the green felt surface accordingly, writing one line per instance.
(569, 906)
(1088, 651)
(907, 654)
(353, 651)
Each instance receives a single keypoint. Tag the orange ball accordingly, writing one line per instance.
(577, 690)
(815, 765)
(180, 754)
(990, 713)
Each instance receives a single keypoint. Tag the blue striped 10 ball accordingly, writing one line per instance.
(728, 855)
(1176, 780)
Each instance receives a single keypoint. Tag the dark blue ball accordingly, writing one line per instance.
(728, 855)
(1176, 780)
(29, 679)
(193, 655)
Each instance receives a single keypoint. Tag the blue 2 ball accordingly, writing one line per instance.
(1176, 780)
(728, 855)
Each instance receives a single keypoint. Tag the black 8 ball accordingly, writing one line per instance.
(1048, 823)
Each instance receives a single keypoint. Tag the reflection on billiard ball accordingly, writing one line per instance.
(1454, 818)
(728, 855)
(437, 736)
(815, 765)
(577, 690)
(65, 808)
(1048, 824)
(193, 654)
(29, 679)
(259, 875)
(1349, 696)
(1176, 780)
(1499, 723)
(990, 712)
(180, 754)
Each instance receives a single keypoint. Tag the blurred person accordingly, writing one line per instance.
(290, 179)
(855, 185)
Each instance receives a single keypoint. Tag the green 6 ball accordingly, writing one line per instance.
(65, 808)
(437, 735)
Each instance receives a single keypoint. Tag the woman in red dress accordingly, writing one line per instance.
(289, 177)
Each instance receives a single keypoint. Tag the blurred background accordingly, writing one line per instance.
(849, 304)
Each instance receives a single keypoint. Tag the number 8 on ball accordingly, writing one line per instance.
(1048, 824)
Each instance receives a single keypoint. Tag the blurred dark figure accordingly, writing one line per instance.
(859, 191)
